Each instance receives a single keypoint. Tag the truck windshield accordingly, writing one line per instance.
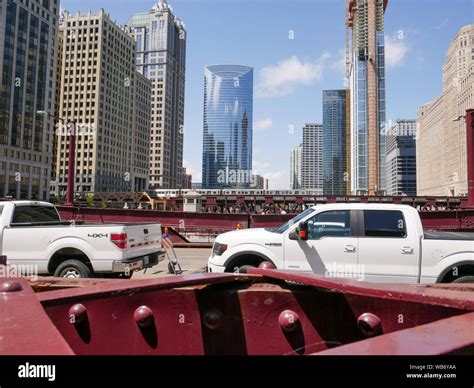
(35, 214)
(293, 221)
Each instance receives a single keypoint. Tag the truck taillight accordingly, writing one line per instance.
(119, 239)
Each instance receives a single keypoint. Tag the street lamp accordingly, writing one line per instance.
(459, 118)
(72, 156)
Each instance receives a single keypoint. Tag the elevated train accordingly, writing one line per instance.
(173, 193)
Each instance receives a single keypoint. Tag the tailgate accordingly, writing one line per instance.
(143, 239)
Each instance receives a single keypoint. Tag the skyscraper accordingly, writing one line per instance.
(28, 34)
(444, 172)
(108, 100)
(228, 118)
(365, 19)
(401, 158)
(334, 142)
(312, 157)
(161, 57)
(296, 160)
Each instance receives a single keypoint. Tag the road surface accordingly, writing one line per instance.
(191, 260)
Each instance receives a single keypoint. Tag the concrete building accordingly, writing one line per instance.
(296, 167)
(28, 36)
(366, 68)
(161, 57)
(261, 183)
(187, 180)
(141, 133)
(401, 158)
(312, 157)
(336, 173)
(108, 101)
(227, 127)
(444, 172)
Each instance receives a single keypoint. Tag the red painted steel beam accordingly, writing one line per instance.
(453, 335)
(24, 326)
(457, 296)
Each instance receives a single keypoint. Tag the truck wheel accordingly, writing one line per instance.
(73, 269)
(245, 268)
(464, 279)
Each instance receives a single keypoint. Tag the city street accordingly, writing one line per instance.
(191, 260)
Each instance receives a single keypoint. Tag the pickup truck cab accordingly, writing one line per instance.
(35, 240)
(375, 243)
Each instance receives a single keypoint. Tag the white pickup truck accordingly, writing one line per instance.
(375, 243)
(34, 239)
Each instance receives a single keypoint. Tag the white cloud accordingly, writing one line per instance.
(263, 124)
(277, 180)
(257, 165)
(283, 78)
(340, 64)
(395, 51)
(197, 174)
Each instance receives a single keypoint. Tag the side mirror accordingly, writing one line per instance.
(302, 230)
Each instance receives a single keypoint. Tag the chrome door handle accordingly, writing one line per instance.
(407, 250)
(350, 248)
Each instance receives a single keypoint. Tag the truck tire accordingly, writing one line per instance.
(245, 268)
(464, 279)
(73, 269)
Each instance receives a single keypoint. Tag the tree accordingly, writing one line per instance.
(90, 200)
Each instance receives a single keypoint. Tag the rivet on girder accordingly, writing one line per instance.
(370, 324)
(11, 286)
(213, 319)
(77, 313)
(289, 320)
(143, 316)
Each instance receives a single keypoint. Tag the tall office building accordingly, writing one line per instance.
(228, 118)
(296, 161)
(101, 92)
(312, 157)
(161, 57)
(334, 142)
(365, 19)
(444, 172)
(401, 158)
(28, 34)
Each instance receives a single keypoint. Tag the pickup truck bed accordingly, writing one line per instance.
(459, 236)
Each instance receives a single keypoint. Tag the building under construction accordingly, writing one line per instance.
(366, 79)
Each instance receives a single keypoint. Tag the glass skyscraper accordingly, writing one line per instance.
(228, 115)
(366, 73)
(28, 34)
(334, 142)
(161, 57)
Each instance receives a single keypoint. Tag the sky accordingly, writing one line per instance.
(297, 50)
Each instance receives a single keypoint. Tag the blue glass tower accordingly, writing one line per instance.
(228, 115)
(334, 142)
(366, 74)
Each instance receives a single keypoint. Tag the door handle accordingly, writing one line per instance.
(350, 248)
(407, 250)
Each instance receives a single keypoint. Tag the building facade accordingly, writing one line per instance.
(296, 161)
(312, 175)
(28, 36)
(141, 133)
(228, 134)
(161, 57)
(335, 169)
(401, 158)
(442, 127)
(366, 51)
(106, 102)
